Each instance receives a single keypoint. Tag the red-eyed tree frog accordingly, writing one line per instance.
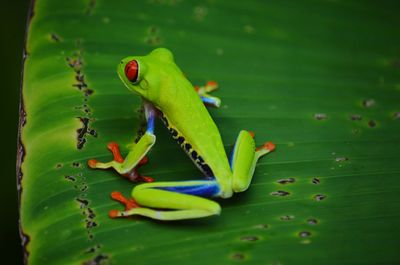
(167, 94)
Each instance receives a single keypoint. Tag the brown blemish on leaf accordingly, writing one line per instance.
(89, 215)
(249, 238)
(312, 221)
(238, 256)
(70, 178)
(153, 36)
(367, 103)
(341, 159)
(286, 181)
(54, 37)
(320, 116)
(287, 217)
(90, 8)
(356, 117)
(305, 234)
(261, 226)
(316, 181)
(83, 132)
(97, 260)
(319, 197)
(76, 63)
(371, 123)
(280, 193)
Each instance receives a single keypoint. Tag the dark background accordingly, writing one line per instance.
(13, 16)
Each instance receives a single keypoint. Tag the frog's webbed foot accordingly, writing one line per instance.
(132, 175)
(129, 204)
(203, 92)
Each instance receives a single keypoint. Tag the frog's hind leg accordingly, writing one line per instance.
(172, 200)
(244, 159)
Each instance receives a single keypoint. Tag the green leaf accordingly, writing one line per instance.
(318, 78)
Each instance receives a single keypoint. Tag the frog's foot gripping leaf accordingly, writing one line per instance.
(132, 175)
(205, 97)
(129, 203)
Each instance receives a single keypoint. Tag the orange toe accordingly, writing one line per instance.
(269, 146)
(212, 83)
(116, 195)
(92, 163)
(113, 213)
(112, 145)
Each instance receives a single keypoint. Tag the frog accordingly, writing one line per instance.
(167, 94)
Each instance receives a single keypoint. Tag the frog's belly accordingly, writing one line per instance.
(188, 148)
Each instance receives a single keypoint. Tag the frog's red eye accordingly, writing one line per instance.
(132, 71)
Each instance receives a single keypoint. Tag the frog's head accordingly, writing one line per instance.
(146, 74)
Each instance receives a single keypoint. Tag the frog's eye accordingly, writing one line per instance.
(132, 71)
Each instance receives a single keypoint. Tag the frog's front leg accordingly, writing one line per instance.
(203, 91)
(136, 155)
(170, 200)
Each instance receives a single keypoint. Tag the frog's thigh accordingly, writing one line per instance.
(183, 198)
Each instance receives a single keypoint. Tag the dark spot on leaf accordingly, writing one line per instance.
(316, 181)
(287, 217)
(367, 103)
(54, 37)
(83, 202)
(88, 92)
(82, 132)
(59, 165)
(98, 260)
(70, 178)
(356, 117)
(249, 238)
(286, 181)
(320, 116)
(76, 164)
(92, 249)
(261, 226)
(88, 214)
(371, 123)
(90, 7)
(153, 38)
(90, 224)
(305, 234)
(312, 221)
(238, 256)
(319, 197)
(341, 159)
(280, 193)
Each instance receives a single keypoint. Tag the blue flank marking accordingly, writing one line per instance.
(209, 189)
(208, 100)
(150, 123)
(232, 154)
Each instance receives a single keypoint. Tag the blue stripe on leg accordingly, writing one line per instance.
(208, 189)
